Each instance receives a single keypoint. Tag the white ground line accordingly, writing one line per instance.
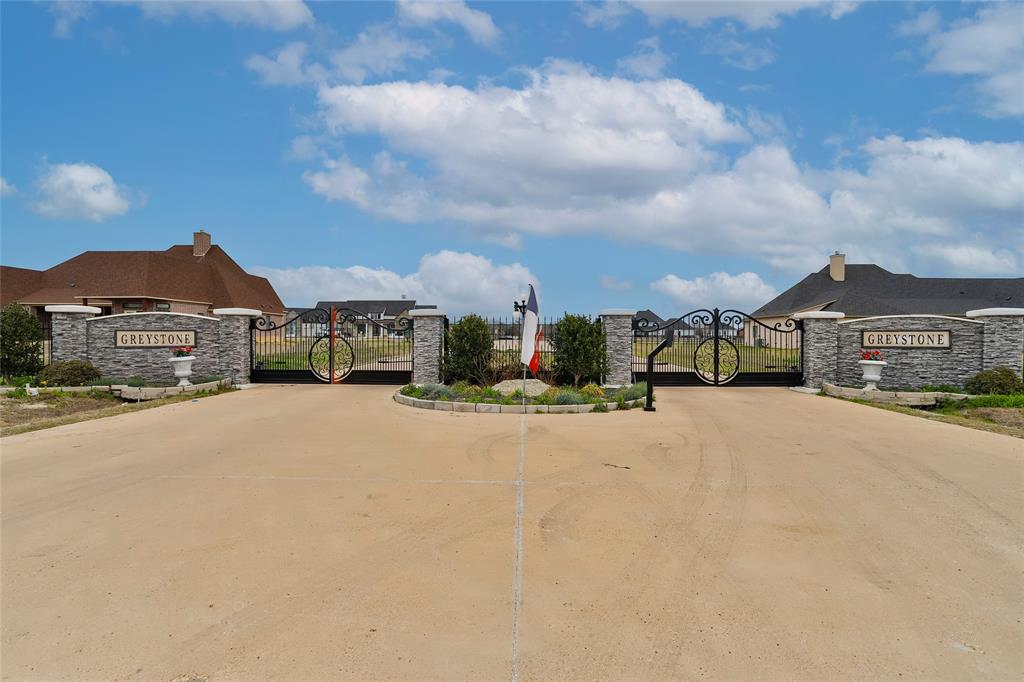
(517, 582)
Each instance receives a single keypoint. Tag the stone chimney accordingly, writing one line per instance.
(200, 243)
(837, 267)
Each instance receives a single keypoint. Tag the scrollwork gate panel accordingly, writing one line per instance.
(718, 348)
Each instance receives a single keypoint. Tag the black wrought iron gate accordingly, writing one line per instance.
(331, 345)
(716, 348)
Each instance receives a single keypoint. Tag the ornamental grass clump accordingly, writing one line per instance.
(567, 396)
(592, 391)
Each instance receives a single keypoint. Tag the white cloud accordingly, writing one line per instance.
(923, 23)
(614, 283)
(457, 283)
(66, 14)
(82, 191)
(990, 47)
(6, 188)
(275, 15)
(980, 260)
(607, 14)
(376, 51)
(570, 152)
(477, 24)
(735, 52)
(304, 148)
(744, 291)
(647, 60)
(286, 67)
(758, 14)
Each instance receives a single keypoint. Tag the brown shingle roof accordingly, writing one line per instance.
(172, 274)
(17, 282)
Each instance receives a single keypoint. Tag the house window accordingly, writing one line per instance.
(163, 305)
(132, 306)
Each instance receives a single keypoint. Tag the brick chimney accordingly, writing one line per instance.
(200, 243)
(837, 267)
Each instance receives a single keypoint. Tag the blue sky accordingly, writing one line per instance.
(662, 155)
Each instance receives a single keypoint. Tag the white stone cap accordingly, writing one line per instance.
(614, 312)
(72, 308)
(248, 312)
(426, 312)
(984, 312)
(818, 315)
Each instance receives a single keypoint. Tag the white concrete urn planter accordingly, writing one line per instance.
(182, 369)
(872, 372)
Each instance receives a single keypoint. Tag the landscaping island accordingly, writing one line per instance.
(464, 397)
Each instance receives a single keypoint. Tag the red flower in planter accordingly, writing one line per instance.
(875, 355)
(181, 351)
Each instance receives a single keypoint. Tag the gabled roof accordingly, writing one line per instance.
(392, 308)
(174, 274)
(870, 290)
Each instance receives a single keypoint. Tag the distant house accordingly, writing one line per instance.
(867, 290)
(380, 311)
(186, 278)
(651, 320)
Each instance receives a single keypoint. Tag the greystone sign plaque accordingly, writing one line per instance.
(131, 338)
(885, 338)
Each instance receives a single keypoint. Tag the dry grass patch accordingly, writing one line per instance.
(19, 415)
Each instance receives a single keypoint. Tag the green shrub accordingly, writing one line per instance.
(1000, 381)
(69, 373)
(578, 344)
(18, 392)
(21, 342)
(996, 400)
(468, 350)
(634, 391)
(21, 381)
(941, 388)
(568, 396)
(600, 407)
(592, 391)
(411, 390)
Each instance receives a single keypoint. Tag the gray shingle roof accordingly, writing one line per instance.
(870, 290)
(387, 308)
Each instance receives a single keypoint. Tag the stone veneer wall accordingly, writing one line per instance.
(819, 348)
(151, 363)
(618, 343)
(914, 367)
(69, 336)
(1004, 342)
(427, 346)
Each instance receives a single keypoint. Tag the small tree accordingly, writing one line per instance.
(469, 350)
(21, 342)
(579, 349)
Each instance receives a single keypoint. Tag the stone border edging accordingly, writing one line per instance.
(910, 398)
(126, 392)
(492, 408)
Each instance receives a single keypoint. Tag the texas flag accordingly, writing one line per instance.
(532, 333)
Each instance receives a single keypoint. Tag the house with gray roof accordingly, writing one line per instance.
(867, 290)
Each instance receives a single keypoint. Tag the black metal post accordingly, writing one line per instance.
(649, 403)
(716, 345)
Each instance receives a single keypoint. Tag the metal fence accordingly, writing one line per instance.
(47, 345)
(507, 345)
(303, 349)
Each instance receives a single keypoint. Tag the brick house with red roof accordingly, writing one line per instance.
(185, 278)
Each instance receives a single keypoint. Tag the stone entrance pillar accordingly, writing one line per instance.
(427, 343)
(618, 343)
(235, 342)
(70, 339)
(1004, 337)
(820, 346)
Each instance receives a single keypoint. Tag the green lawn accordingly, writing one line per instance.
(679, 358)
(294, 354)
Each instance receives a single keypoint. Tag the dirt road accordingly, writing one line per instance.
(326, 532)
